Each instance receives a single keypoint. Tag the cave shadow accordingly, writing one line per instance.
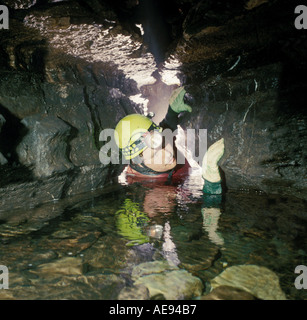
(11, 135)
(290, 157)
(157, 33)
(161, 22)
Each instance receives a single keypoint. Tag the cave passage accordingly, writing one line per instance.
(72, 227)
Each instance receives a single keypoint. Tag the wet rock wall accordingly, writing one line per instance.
(245, 71)
(53, 106)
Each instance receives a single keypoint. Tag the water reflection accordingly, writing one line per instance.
(78, 249)
(159, 202)
(211, 218)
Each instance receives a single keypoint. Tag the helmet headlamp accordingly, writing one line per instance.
(153, 139)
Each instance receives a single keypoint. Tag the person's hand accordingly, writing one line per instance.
(210, 170)
(177, 101)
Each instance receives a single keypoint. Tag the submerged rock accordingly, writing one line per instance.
(139, 292)
(258, 281)
(83, 287)
(60, 267)
(228, 293)
(148, 268)
(163, 279)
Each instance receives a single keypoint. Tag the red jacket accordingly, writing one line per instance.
(178, 174)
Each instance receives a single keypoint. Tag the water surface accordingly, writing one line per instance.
(86, 247)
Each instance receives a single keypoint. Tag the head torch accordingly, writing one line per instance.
(153, 139)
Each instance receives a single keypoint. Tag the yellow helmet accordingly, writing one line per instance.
(129, 134)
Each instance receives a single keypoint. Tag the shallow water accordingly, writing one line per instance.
(86, 247)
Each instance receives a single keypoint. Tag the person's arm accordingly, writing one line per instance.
(212, 197)
(176, 106)
(210, 169)
(170, 121)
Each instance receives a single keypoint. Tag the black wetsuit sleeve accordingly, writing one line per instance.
(170, 121)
